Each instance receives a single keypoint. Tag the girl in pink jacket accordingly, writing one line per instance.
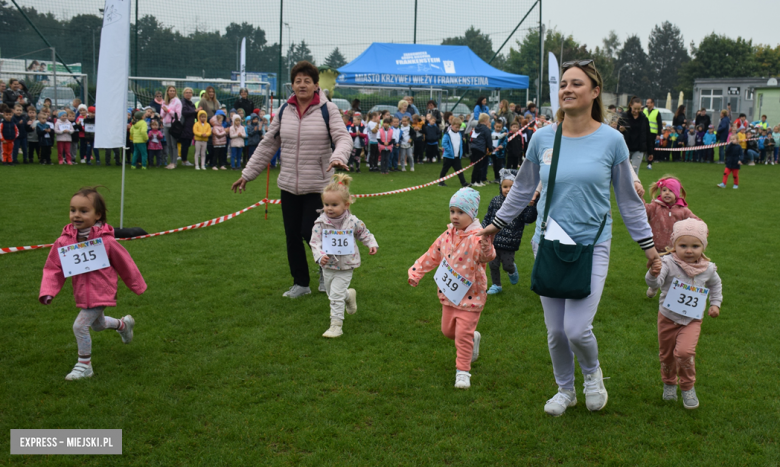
(460, 258)
(667, 207)
(94, 290)
(339, 256)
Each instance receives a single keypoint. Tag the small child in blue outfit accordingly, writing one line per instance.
(507, 241)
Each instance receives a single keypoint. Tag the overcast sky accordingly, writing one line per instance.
(353, 25)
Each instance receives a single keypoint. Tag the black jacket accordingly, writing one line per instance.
(733, 156)
(432, 133)
(188, 114)
(704, 121)
(514, 148)
(509, 237)
(483, 138)
(245, 104)
(637, 132)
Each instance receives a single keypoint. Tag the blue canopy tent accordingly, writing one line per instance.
(422, 65)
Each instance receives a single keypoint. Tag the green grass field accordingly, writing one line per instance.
(224, 371)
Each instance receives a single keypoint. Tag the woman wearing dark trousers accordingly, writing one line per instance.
(302, 134)
(188, 114)
(481, 142)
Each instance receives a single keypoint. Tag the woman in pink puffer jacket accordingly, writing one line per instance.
(307, 165)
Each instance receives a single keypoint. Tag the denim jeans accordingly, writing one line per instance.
(385, 162)
(394, 158)
(20, 143)
(235, 157)
(751, 155)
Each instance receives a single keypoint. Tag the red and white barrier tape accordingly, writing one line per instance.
(697, 148)
(221, 219)
(520, 131)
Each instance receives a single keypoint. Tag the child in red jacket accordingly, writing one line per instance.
(96, 289)
(460, 257)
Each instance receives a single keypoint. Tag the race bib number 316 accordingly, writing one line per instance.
(82, 257)
(338, 242)
(452, 285)
(686, 299)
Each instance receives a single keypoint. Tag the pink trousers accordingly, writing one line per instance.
(460, 326)
(677, 347)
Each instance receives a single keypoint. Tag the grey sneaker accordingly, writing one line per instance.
(595, 392)
(670, 392)
(560, 402)
(475, 352)
(462, 379)
(690, 401)
(127, 333)
(296, 291)
(188, 163)
(333, 331)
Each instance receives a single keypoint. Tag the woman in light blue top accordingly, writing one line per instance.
(480, 108)
(592, 157)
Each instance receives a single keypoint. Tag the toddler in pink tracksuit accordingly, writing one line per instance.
(337, 268)
(460, 257)
(94, 290)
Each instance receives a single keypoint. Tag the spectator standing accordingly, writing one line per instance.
(403, 111)
(188, 115)
(432, 136)
(481, 143)
(243, 102)
(435, 112)
(170, 111)
(412, 108)
(480, 107)
(157, 102)
(531, 113)
(723, 134)
(505, 114)
(14, 95)
(679, 118)
(703, 119)
(636, 131)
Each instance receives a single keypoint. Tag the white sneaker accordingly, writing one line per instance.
(188, 163)
(80, 371)
(296, 291)
(736, 187)
(462, 379)
(651, 292)
(412, 169)
(127, 333)
(649, 167)
(434, 159)
(351, 301)
(403, 169)
(333, 331)
(690, 401)
(595, 392)
(475, 352)
(561, 401)
(670, 392)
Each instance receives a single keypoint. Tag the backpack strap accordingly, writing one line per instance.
(551, 177)
(325, 116)
(279, 116)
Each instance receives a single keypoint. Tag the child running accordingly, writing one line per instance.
(460, 257)
(94, 290)
(678, 334)
(507, 241)
(333, 246)
(667, 208)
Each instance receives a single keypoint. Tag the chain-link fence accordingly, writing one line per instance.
(201, 39)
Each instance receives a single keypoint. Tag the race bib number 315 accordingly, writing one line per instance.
(82, 257)
(686, 299)
(338, 242)
(452, 285)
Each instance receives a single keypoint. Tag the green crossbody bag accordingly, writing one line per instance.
(561, 271)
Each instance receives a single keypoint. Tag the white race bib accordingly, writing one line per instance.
(86, 256)
(452, 285)
(89, 127)
(338, 242)
(686, 300)
(64, 127)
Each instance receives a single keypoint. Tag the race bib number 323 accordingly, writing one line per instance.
(82, 257)
(452, 285)
(338, 242)
(686, 299)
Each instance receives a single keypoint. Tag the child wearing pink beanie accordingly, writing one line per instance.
(688, 271)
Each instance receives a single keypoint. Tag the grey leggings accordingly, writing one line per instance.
(636, 160)
(570, 324)
(404, 154)
(171, 150)
(504, 258)
(91, 318)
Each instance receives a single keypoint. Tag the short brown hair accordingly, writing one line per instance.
(97, 200)
(388, 120)
(305, 68)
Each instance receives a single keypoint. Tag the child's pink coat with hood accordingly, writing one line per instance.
(463, 252)
(96, 288)
(218, 133)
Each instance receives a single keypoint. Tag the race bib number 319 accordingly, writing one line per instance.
(82, 257)
(686, 299)
(338, 242)
(452, 285)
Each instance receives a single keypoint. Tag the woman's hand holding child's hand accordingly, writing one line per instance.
(485, 242)
(655, 269)
(714, 311)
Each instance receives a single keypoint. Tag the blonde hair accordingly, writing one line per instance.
(597, 111)
(456, 121)
(340, 184)
(168, 99)
(483, 117)
(403, 103)
(654, 187)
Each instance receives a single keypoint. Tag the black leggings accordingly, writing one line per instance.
(185, 149)
(299, 213)
(431, 151)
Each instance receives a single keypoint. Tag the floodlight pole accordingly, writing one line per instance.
(281, 28)
(415, 21)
